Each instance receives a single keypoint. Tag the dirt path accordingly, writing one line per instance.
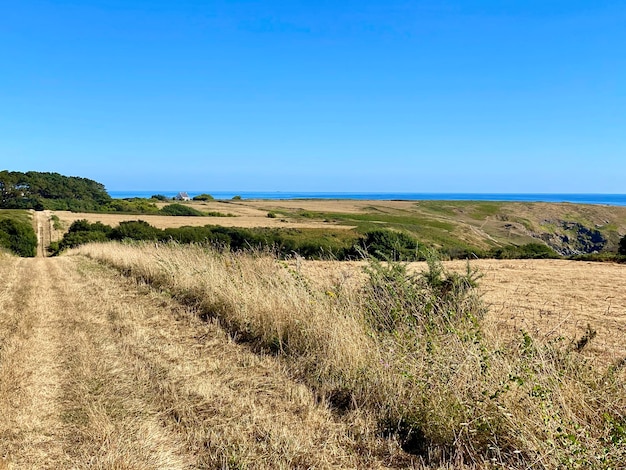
(43, 228)
(97, 372)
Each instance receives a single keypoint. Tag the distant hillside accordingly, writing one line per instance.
(459, 228)
(35, 190)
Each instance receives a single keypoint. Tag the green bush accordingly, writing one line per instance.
(18, 236)
(622, 246)
(528, 251)
(56, 222)
(399, 301)
(136, 206)
(203, 197)
(388, 245)
(159, 197)
(79, 233)
(135, 230)
(180, 210)
(83, 225)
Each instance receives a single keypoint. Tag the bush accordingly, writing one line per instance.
(237, 198)
(180, 210)
(83, 225)
(19, 237)
(398, 301)
(159, 197)
(622, 246)
(79, 233)
(388, 245)
(135, 230)
(137, 206)
(528, 251)
(203, 197)
(56, 222)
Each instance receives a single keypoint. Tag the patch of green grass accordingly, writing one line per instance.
(437, 207)
(56, 222)
(365, 221)
(482, 210)
(17, 215)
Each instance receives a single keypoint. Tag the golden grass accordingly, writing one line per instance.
(97, 371)
(451, 390)
(546, 297)
(163, 221)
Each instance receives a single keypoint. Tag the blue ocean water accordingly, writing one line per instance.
(606, 199)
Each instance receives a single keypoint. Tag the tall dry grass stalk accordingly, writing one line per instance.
(412, 352)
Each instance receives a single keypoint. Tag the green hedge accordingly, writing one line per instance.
(17, 234)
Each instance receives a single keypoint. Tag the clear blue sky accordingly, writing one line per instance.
(342, 95)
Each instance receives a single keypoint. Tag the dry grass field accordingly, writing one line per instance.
(547, 297)
(99, 372)
(133, 356)
(450, 388)
(164, 221)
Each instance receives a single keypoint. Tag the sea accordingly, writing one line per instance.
(602, 199)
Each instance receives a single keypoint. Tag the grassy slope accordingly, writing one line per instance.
(481, 225)
(16, 214)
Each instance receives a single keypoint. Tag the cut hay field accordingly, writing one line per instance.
(164, 221)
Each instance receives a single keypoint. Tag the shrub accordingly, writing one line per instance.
(203, 197)
(237, 198)
(159, 197)
(397, 300)
(79, 233)
(622, 246)
(138, 206)
(180, 210)
(18, 236)
(388, 245)
(83, 225)
(56, 222)
(135, 230)
(528, 251)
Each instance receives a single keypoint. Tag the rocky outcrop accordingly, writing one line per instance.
(572, 238)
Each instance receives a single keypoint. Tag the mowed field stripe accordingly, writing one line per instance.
(31, 370)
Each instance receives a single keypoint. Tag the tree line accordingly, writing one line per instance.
(41, 190)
